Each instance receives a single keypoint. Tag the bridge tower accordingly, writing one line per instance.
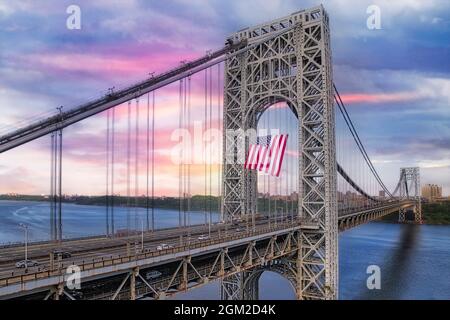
(410, 189)
(292, 67)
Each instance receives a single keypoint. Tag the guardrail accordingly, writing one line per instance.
(133, 234)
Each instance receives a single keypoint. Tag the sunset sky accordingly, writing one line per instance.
(395, 81)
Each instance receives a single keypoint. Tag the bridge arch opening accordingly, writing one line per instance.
(277, 196)
(274, 286)
(270, 283)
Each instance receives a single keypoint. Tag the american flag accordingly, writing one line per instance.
(267, 154)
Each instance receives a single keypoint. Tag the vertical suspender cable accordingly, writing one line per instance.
(295, 175)
(182, 159)
(189, 159)
(204, 151)
(287, 170)
(52, 190)
(55, 186)
(107, 172)
(268, 126)
(147, 158)
(55, 176)
(153, 160)
(180, 92)
(60, 187)
(136, 167)
(185, 153)
(219, 158)
(277, 124)
(210, 150)
(60, 180)
(265, 176)
(113, 118)
(128, 166)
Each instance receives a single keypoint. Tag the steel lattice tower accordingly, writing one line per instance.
(293, 67)
(410, 189)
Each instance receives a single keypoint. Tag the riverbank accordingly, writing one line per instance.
(194, 203)
(432, 214)
(197, 202)
(436, 213)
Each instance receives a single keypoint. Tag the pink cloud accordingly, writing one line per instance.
(106, 66)
(18, 180)
(292, 153)
(379, 97)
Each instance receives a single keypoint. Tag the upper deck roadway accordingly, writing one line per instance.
(101, 257)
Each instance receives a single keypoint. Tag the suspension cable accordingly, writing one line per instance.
(153, 161)
(128, 166)
(210, 150)
(185, 152)
(204, 151)
(107, 172)
(52, 187)
(189, 160)
(136, 167)
(55, 177)
(180, 152)
(184, 164)
(112, 168)
(147, 158)
(219, 159)
(355, 135)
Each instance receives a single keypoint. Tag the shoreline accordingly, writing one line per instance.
(432, 213)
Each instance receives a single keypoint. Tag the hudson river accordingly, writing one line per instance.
(414, 260)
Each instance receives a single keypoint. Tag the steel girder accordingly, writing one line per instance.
(353, 220)
(294, 67)
(233, 267)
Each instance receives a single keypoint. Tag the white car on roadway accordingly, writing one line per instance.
(203, 237)
(153, 274)
(27, 263)
(164, 246)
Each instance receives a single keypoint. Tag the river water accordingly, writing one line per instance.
(414, 261)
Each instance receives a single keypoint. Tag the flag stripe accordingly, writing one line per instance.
(249, 157)
(273, 156)
(255, 157)
(267, 158)
(277, 156)
(263, 158)
(280, 155)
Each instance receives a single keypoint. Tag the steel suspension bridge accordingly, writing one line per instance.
(276, 75)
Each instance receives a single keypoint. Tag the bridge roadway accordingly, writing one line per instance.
(101, 257)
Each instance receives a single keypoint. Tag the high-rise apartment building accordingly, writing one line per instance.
(431, 192)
